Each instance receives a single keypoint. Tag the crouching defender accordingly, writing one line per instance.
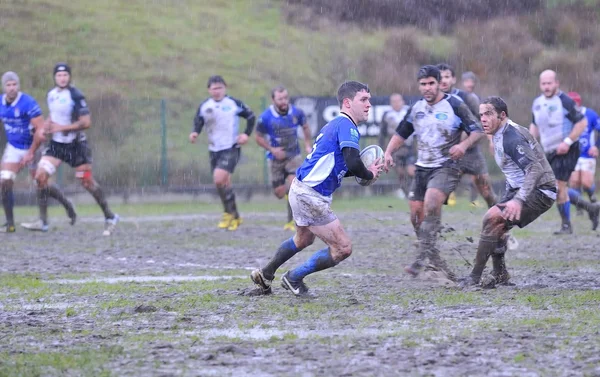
(335, 155)
(530, 187)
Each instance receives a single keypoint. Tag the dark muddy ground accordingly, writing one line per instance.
(164, 296)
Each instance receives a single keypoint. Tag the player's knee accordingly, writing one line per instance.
(493, 222)
(342, 251)
(303, 241)
(86, 178)
(7, 177)
(41, 178)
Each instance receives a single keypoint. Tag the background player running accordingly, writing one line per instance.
(530, 187)
(406, 156)
(219, 113)
(558, 124)
(438, 120)
(335, 155)
(277, 132)
(69, 117)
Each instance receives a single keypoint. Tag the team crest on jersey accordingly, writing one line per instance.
(520, 149)
(552, 108)
(63, 100)
(226, 108)
(441, 116)
(537, 108)
(420, 115)
(354, 133)
(17, 113)
(294, 120)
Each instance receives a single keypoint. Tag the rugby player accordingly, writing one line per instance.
(219, 113)
(335, 155)
(277, 133)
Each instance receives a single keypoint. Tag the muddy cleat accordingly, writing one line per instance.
(511, 242)
(413, 270)
(593, 198)
(38, 226)
(259, 279)
(234, 224)
(70, 208)
(476, 204)
(468, 281)
(499, 272)
(110, 225)
(564, 229)
(595, 215)
(452, 199)
(7, 228)
(299, 289)
(225, 221)
(290, 226)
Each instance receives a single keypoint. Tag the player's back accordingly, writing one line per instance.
(324, 168)
(16, 118)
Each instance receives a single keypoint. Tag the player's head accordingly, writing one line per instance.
(10, 85)
(549, 83)
(429, 82)
(354, 99)
(396, 101)
(575, 97)
(494, 113)
(62, 75)
(447, 77)
(469, 81)
(281, 99)
(217, 88)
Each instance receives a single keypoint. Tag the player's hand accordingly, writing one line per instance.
(512, 210)
(376, 168)
(563, 148)
(593, 152)
(27, 158)
(193, 137)
(53, 127)
(278, 153)
(457, 152)
(242, 139)
(388, 161)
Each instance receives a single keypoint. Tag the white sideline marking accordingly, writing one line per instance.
(144, 279)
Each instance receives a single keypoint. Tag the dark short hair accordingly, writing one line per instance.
(216, 79)
(349, 90)
(446, 67)
(429, 71)
(277, 89)
(497, 103)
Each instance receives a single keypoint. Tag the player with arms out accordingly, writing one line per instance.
(558, 125)
(585, 170)
(405, 156)
(69, 117)
(530, 188)
(335, 155)
(219, 113)
(277, 133)
(437, 120)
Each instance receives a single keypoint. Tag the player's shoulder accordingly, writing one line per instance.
(205, 103)
(236, 101)
(27, 98)
(514, 133)
(454, 101)
(267, 114)
(537, 100)
(75, 92)
(296, 111)
(52, 91)
(591, 113)
(566, 101)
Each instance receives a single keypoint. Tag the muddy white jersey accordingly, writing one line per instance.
(555, 118)
(66, 106)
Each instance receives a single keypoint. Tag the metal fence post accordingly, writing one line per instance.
(263, 106)
(164, 174)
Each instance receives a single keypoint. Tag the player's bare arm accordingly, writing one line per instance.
(577, 130)
(83, 123)
(38, 138)
(395, 142)
(307, 138)
(277, 152)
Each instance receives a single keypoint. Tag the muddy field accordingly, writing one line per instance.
(165, 296)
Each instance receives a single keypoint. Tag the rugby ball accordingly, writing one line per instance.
(368, 156)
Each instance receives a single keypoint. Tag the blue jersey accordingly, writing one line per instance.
(324, 168)
(588, 138)
(16, 117)
(282, 130)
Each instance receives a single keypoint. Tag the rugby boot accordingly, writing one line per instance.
(564, 229)
(499, 272)
(6, 228)
(298, 288)
(234, 223)
(452, 199)
(290, 226)
(259, 279)
(225, 221)
(593, 198)
(110, 225)
(438, 262)
(594, 213)
(37, 225)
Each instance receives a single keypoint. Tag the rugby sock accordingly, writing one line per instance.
(286, 251)
(56, 193)
(565, 211)
(487, 245)
(474, 192)
(43, 204)
(223, 195)
(578, 201)
(289, 209)
(230, 206)
(8, 201)
(319, 261)
(590, 191)
(98, 194)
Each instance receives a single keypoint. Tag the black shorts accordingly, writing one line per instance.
(226, 159)
(75, 154)
(533, 207)
(563, 165)
(473, 162)
(444, 178)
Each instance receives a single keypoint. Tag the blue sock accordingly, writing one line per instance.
(574, 196)
(590, 191)
(286, 250)
(320, 260)
(565, 211)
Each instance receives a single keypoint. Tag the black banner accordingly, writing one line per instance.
(321, 110)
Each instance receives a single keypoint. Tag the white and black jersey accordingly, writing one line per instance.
(389, 122)
(523, 162)
(555, 118)
(66, 105)
(437, 128)
(470, 99)
(221, 119)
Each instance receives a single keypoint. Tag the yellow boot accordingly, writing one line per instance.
(290, 226)
(452, 199)
(225, 221)
(235, 223)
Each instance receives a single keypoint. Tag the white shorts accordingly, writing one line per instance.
(309, 208)
(13, 155)
(586, 164)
